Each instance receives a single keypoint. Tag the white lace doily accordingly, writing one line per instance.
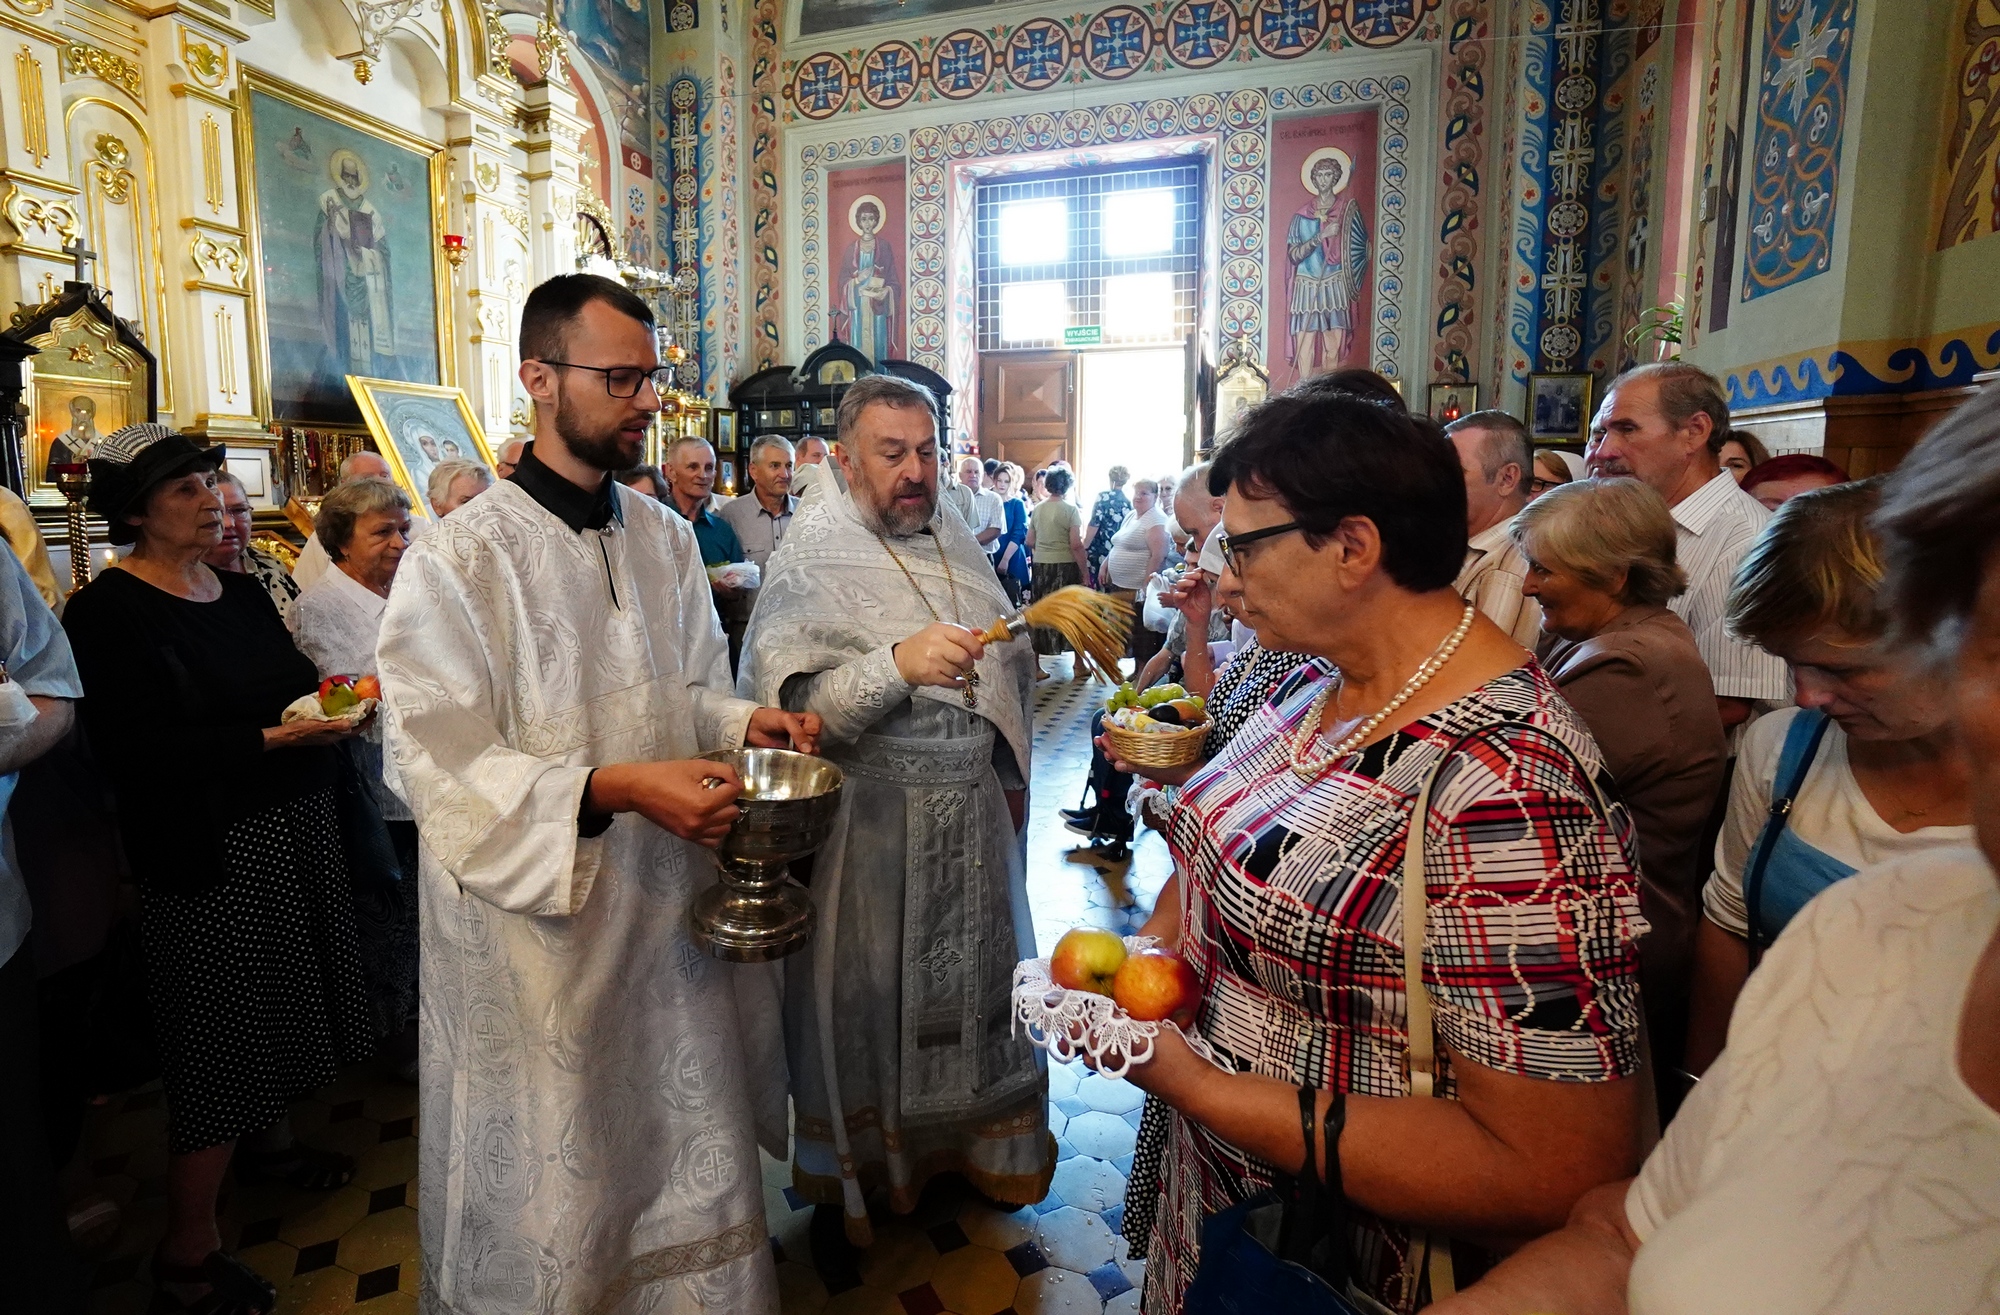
(1072, 1024)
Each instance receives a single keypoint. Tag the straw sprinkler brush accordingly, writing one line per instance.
(1096, 626)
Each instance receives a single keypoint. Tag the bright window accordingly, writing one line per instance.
(1139, 223)
(1115, 252)
(1034, 232)
(1139, 305)
(1033, 312)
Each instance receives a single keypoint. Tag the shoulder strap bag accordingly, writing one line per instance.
(1428, 1252)
(1802, 741)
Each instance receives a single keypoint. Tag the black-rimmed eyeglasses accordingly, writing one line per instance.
(624, 380)
(1231, 544)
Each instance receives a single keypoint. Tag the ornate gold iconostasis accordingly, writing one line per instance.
(272, 197)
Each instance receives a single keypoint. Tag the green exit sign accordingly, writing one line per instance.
(1083, 335)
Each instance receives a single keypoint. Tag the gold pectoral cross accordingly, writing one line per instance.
(971, 690)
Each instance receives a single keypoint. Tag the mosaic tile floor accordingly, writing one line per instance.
(355, 1249)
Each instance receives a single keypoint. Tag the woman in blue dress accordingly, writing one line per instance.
(1869, 759)
(1011, 556)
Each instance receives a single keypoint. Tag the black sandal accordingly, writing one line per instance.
(305, 1167)
(233, 1287)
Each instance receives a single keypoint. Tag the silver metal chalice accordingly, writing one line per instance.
(756, 912)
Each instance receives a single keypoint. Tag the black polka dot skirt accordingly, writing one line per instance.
(256, 984)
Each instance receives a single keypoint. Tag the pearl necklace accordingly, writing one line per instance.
(1307, 765)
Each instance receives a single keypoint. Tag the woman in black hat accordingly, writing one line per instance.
(229, 826)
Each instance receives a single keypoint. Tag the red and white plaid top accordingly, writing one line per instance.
(1292, 917)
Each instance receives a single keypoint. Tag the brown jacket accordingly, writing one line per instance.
(1643, 690)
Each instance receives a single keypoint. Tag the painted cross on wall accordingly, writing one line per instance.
(1201, 32)
(1795, 166)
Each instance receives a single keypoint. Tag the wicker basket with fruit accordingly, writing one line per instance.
(1164, 727)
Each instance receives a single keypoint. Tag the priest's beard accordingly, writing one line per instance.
(895, 519)
(603, 449)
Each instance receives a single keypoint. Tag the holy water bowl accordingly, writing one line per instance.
(757, 913)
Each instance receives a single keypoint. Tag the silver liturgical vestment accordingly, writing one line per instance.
(587, 1145)
(897, 1015)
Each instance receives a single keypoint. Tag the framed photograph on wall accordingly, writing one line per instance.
(1558, 407)
(1239, 387)
(345, 219)
(256, 463)
(416, 427)
(725, 431)
(1449, 402)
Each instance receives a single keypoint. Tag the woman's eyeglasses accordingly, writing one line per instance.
(624, 380)
(1231, 544)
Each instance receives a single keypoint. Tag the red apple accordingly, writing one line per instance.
(1086, 959)
(368, 687)
(1155, 984)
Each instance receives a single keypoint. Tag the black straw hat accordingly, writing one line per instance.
(131, 462)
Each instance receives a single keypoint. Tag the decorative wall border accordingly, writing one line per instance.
(1615, 143)
(1238, 121)
(765, 228)
(684, 235)
(722, 253)
(1572, 155)
(1108, 46)
(1461, 156)
(1945, 360)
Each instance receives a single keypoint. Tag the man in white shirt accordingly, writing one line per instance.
(989, 517)
(313, 561)
(761, 516)
(954, 492)
(810, 462)
(1498, 459)
(1664, 425)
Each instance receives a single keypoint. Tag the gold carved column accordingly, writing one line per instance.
(209, 279)
(488, 206)
(38, 203)
(555, 177)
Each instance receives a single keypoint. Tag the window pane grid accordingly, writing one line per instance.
(1148, 216)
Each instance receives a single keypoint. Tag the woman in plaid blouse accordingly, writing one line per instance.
(1345, 527)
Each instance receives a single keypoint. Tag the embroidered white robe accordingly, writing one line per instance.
(903, 1061)
(586, 1139)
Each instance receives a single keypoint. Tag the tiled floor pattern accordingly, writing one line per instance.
(355, 1249)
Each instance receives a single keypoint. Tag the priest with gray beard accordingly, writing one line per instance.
(903, 1063)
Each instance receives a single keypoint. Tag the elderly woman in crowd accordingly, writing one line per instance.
(1844, 1153)
(1870, 759)
(236, 553)
(1106, 515)
(1344, 529)
(1601, 563)
(247, 913)
(366, 527)
(454, 483)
